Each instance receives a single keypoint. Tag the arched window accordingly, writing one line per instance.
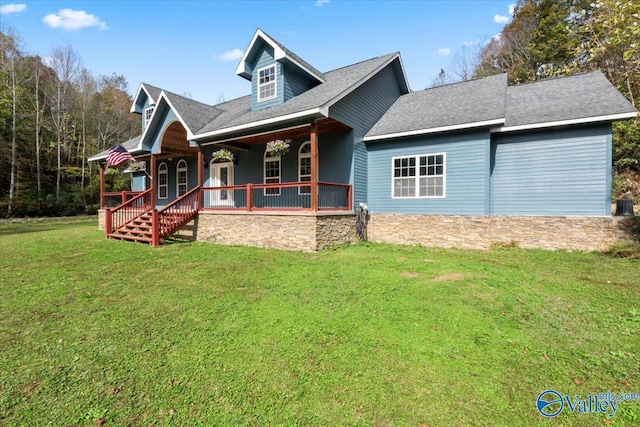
(163, 181)
(181, 177)
(304, 167)
(271, 173)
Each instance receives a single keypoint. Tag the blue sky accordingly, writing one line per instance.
(193, 47)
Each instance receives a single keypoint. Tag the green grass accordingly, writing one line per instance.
(380, 335)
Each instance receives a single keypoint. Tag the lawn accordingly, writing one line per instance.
(107, 332)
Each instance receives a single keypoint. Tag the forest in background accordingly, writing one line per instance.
(54, 113)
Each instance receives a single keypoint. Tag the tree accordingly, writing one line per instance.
(66, 64)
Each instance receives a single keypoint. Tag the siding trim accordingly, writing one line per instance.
(434, 130)
(607, 118)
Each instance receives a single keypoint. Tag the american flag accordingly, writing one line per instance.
(118, 155)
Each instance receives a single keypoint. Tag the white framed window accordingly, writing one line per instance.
(147, 115)
(304, 167)
(420, 176)
(267, 83)
(181, 178)
(163, 181)
(271, 173)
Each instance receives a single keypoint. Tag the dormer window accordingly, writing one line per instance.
(147, 115)
(267, 83)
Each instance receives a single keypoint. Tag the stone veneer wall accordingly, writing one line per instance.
(101, 216)
(306, 232)
(480, 232)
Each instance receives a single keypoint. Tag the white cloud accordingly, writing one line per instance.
(320, 3)
(444, 52)
(470, 42)
(501, 19)
(512, 8)
(12, 8)
(48, 61)
(73, 20)
(230, 55)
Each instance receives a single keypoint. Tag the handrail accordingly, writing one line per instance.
(176, 214)
(335, 196)
(121, 194)
(127, 211)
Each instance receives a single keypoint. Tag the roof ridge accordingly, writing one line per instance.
(548, 79)
(363, 61)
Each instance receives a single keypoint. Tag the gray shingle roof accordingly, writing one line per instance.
(565, 98)
(152, 91)
(195, 114)
(456, 104)
(296, 58)
(337, 82)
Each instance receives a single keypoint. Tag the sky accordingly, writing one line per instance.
(192, 48)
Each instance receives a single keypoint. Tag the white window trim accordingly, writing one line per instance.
(179, 169)
(165, 172)
(301, 156)
(148, 119)
(275, 82)
(418, 176)
(264, 172)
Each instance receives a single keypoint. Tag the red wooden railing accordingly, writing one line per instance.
(119, 197)
(282, 196)
(131, 209)
(175, 215)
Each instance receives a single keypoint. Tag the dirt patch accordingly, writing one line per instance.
(448, 277)
(409, 274)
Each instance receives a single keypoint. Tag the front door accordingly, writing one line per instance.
(222, 176)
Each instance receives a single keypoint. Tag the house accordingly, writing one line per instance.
(466, 165)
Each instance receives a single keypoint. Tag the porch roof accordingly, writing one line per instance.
(131, 146)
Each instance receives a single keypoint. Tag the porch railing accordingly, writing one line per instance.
(282, 196)
(175, 215)
(116, 198)
(127, 211)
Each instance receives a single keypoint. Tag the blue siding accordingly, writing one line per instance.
(265, 59)
(138, 181)
(360, 110)
(295, 82)
(192, 177)
(564, 172)
(466, 172)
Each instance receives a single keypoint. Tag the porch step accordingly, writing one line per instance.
(129, 237)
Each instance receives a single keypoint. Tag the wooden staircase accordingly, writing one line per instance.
(150, 225)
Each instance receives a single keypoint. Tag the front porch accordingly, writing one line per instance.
(290, 209)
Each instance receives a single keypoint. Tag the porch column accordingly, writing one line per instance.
(200, 174)
(102, 186)
(313, 140)
(153, 181)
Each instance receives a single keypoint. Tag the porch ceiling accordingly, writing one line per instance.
(324, 126)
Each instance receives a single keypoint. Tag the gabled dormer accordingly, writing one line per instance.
(144, 102)
(276, 74)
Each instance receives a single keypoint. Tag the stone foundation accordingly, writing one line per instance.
(101, 216)
(299, 231)
(481, 232)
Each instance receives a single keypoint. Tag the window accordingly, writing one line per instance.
(163, 181)
(271, 174)
(419, 176)
(181, 177)
(267, 83)
(304, 167)
(147, 115)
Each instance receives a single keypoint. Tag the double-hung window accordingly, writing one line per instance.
(181, 177)
(271, 174)
(267, 83)
(147, 115)
(419, 176)
(163, 181)
(304, 167)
